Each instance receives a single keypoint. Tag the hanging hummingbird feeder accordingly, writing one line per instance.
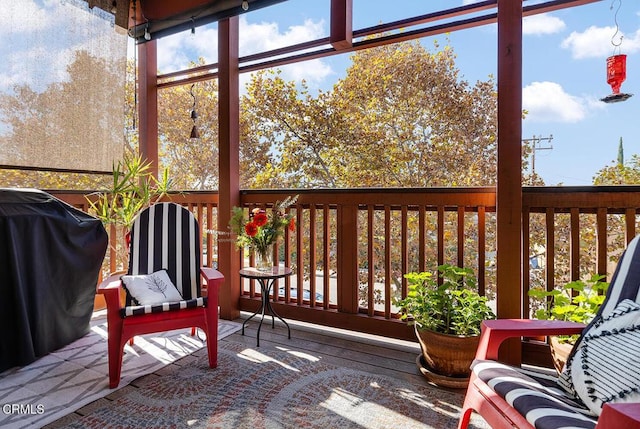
(616, 74)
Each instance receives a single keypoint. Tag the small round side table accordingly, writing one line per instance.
(266, 279)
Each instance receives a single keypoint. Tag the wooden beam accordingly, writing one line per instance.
(321, 48)
(341, 24)
(509, 181)
(229, 156)
(148, 103)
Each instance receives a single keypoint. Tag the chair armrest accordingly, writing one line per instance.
(213, 279)
(616, 416)
(110, 288)
(211, 274)
(494, 332)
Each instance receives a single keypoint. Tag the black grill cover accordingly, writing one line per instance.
(50, 259)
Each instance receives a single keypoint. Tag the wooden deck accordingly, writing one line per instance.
(390, 357)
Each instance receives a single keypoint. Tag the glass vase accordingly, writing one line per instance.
(264, 258)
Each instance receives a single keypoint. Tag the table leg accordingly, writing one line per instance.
(265, 287)
(273, 313)
(263, 306)
(251, 317)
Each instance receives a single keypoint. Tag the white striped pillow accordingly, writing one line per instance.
(606, 367)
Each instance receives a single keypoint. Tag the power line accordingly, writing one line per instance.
(536, 145)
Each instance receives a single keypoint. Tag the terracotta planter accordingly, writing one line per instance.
(448, 355)
(559, 352)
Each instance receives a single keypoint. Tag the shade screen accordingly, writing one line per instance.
(61, 85)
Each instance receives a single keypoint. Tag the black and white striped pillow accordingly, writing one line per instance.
(606, 366)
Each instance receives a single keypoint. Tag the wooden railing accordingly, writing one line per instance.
(352, 246)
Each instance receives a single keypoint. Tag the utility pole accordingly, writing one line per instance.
(536, 145)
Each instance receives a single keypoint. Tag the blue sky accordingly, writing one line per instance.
(564, 73)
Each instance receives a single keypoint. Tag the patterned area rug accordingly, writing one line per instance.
(276, 388)
(67, 379)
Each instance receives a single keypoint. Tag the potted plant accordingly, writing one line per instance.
(133, 188)
(576, 301)
(447, 316)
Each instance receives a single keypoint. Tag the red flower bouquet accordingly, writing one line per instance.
(262, 229)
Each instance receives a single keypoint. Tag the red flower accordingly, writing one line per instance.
(251, 229)
(260, 218)
(292, 225)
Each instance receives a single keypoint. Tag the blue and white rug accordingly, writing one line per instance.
(67, 379)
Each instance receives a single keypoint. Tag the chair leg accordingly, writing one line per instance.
(115, 352)
(470, 401)
(465, 417)
(212, 335)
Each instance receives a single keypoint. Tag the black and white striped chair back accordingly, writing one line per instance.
(550, 402)
(166, 236)
(625, 284)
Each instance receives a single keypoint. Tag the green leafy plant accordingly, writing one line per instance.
(453, 307)
(577, 301)
(133, 188)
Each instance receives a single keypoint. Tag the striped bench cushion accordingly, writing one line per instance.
(136, 310)
(536, 396)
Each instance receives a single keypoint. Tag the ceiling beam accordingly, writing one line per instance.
(155, 19)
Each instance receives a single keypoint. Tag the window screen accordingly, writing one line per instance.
(61, 85)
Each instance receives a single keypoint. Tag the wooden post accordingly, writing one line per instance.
(229, 157)
(347, 258)
(148, 103)
(341, 24)
(509, 181)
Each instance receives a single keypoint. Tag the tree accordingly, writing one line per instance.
(619, 173)
(56, 119)
(402, 117)
(68, 116)
(193, 162)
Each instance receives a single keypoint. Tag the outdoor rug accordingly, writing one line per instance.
(275, 387)
(69, 378)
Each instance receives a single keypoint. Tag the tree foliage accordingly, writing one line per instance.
(193, 162)
(401, 117)
(619, 174)
(55, 121)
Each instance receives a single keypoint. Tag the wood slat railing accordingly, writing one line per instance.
(352, 246)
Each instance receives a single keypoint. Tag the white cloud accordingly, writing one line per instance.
(542, 24)
(175, 52)
(40, 41)
(266, 36)
(24, 17)
(548, 102)
(313, 71)
(595, 42)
